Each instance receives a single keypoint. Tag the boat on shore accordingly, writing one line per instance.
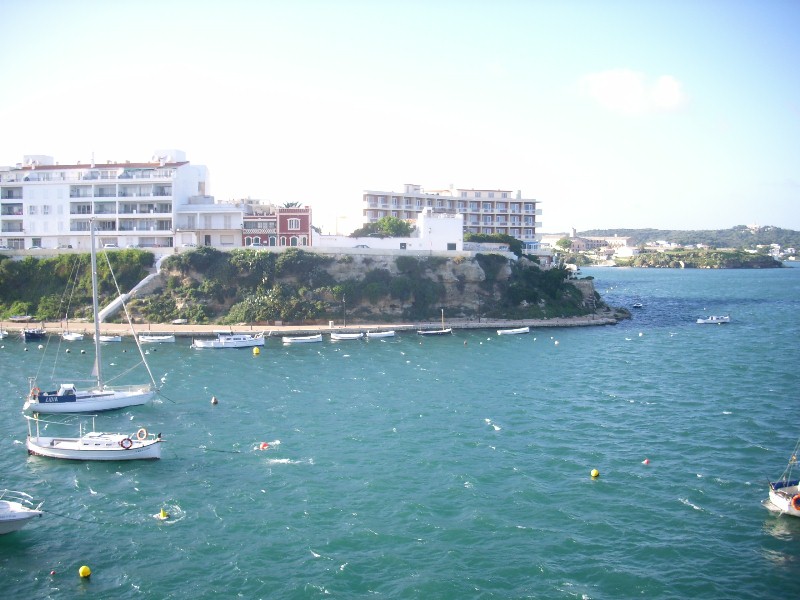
(515, 331)
(67, 398)
(301, 339)
(231, 340)
(346, 336)
(156, 339)
(17, 509)
(92, 445)
(784, 494)
(715, 319)
(380, 334)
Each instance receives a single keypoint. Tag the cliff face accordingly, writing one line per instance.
(299, 286)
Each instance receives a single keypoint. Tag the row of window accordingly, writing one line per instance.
(271, 240)
(461, 206)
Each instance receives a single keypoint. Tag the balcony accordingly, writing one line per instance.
(11, 211)
(11, 228)
(15, 194)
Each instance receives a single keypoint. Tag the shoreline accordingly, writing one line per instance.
(188, 331)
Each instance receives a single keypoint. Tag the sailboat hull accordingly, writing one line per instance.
(785, 496)
(89, 400)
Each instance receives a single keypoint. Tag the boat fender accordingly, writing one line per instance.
(141, 435)
(126, 444)
(796, 502)
(35, 392)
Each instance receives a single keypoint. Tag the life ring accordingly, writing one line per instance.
(796, 502)
(141, 434)
(126, 444)
(35, 392)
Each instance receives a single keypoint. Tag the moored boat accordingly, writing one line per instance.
(16, 510)
(33, 334)
(109, 338)
(71, 336)
(715, 319)
(515, 331)
(231, 340)
(380, 334)
(784, 494)
(67, 398)
(443, 331)
(301, 339)
(156, 339)
(92, 445)
(346, 336)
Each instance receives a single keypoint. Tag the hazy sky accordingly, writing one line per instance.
(669, 114)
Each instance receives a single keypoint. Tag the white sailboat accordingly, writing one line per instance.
(442, 331)
(100, 396)
(231, 340)
(91, 445)
(380, 334)
(336, 337)
(784, 494)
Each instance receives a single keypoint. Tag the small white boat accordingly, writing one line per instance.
(715, 319)
(638, 305)
(92, 445)
(109, 338)
(16, 509)
(301, 339)
(156, 339)
(71, 336)
(442, 331)
(515, 331)
(784, 494)
(380, 334)
(346, 336)
(3, 334)
(231, 340)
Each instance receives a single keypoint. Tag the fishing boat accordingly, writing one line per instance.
(231, 340)
(301, 339)
(515, 331)
(156, 339)
(16, 510)
(67, 398)
(346, 336)
(109, 338)
(33, 334)
(380, 334)
(91, 445)
(784, 494)
(715, 319)
(442, 331)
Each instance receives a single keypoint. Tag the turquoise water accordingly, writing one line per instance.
(452, 467)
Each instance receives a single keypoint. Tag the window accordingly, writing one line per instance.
(463, 194)
(46, 209)
(477, 194)
(491, 194)
(294, 224)
(31, 210)
(504, 195)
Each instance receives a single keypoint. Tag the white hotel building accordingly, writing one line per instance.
(484, 211)
(156, 204)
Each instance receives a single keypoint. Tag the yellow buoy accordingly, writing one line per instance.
(256, 351)
(595, 473)
(163, 514)
(84, 571)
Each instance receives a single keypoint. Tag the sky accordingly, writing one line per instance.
(611, 114)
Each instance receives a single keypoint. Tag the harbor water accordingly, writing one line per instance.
(445, 467)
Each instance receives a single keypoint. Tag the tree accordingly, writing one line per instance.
(565, 244)
(385, 227)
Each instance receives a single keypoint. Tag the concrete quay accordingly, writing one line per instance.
(190, 330)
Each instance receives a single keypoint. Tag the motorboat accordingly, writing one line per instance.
(92, 445)
(784, 494)
(515, 331)
(715, 319)
(231, 340)
(17, 509)
(301, 339)
(71, 336)
(156, 339)
(346, 336)
(638, 305)
(33, 334)
(380, 334)
(99, 396)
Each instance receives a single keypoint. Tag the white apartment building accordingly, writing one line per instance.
(483, 211)
(44, 204)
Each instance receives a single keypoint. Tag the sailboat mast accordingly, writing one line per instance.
(97, 362)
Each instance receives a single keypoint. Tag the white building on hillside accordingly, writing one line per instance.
(44, 204)
(483, 211)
